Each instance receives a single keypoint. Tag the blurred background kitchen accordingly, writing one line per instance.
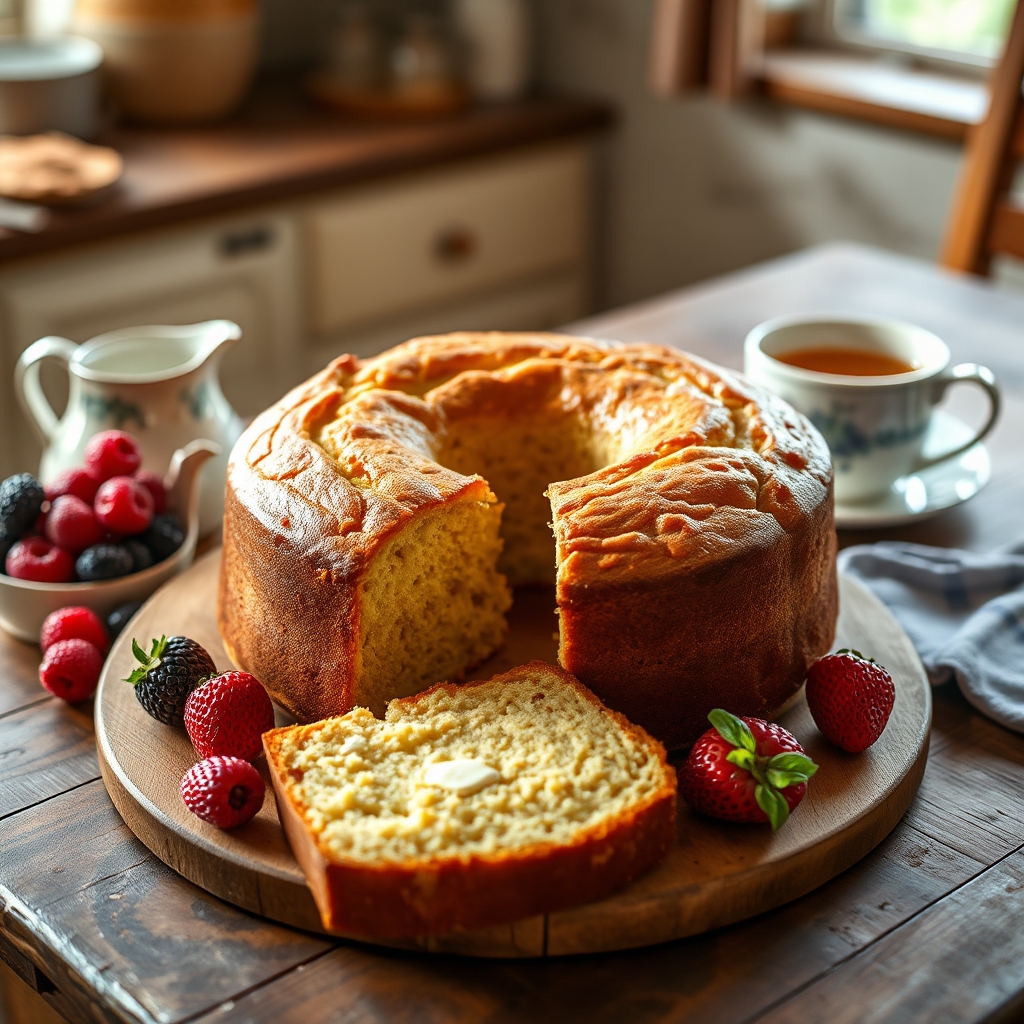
(338, 176)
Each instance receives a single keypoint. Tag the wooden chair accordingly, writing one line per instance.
(984, 220)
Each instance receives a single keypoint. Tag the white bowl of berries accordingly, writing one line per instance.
(100, 536)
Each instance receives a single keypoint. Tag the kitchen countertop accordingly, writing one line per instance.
(280, 146)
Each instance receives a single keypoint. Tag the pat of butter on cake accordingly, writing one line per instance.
(471, 805)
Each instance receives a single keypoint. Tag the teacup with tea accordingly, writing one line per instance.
(870, 386)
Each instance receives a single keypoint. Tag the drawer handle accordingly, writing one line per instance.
(455, 245)
(242, 243)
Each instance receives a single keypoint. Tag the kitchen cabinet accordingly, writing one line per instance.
(395, 247)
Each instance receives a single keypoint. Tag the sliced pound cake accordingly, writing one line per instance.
(471, 805)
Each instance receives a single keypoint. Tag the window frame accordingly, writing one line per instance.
(826, 29)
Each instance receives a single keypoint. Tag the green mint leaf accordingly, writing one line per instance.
(780, 780)
(733, 730)
(774, 805)
(742, 758)
(793, 762)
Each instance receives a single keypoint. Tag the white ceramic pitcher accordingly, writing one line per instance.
(158, 383)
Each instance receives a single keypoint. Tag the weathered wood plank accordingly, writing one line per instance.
(45, 749)
(960, 960)
(723, 976)
(119, 933)
(19, 675)
(972, 795)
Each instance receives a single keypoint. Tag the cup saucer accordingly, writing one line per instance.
(930, 491)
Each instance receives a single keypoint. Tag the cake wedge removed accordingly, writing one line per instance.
(471, 805)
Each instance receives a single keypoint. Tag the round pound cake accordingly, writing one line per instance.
(377, 516)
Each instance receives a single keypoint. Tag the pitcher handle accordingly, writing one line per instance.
(29, 390)
(974, 374)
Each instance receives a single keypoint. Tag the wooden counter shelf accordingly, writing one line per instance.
(281, 146)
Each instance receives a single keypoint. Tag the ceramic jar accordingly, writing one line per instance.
(49, 85)
(174, 61)
(160, 384)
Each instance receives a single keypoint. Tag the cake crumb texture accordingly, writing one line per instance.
(575, 784)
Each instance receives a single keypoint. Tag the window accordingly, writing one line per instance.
(959, 31)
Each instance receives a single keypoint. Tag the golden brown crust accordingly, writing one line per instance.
(433, 896)
(698, 569)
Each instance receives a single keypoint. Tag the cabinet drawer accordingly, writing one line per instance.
(385, 249)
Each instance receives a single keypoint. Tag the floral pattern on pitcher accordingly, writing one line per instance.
(115, 411)
(198, 401)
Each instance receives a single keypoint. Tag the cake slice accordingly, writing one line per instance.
(471, 805)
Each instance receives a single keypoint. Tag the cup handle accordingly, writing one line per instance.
(984, 378)
(28, 389)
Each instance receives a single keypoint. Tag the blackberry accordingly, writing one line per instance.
(118, 618)
(142, 557)
(103, 562)
(21, 501)
(163, 537)
(173, 668)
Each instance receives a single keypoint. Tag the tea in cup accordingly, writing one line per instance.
(870, 386)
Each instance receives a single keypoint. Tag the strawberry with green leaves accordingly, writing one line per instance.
(745, 769)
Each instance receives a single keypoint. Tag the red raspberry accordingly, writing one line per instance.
(36, 559)
(71, 669)
(39, 526)
(228, 715)
(73, 623)
(112, 453)
(850, 698)
(156, 488)
(225, 791)
(71, 524)
(79, 482)
(124, 506)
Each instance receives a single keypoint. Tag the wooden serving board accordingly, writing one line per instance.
(717, 874)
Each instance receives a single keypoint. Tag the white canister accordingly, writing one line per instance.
(497, 34)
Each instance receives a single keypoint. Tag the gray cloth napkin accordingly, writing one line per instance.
(964, 613)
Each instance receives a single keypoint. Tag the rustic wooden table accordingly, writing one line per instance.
(927, 927)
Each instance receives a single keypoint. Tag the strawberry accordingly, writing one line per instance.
(850, 698)
(228, 715)
(225, 791)
(745, 769)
